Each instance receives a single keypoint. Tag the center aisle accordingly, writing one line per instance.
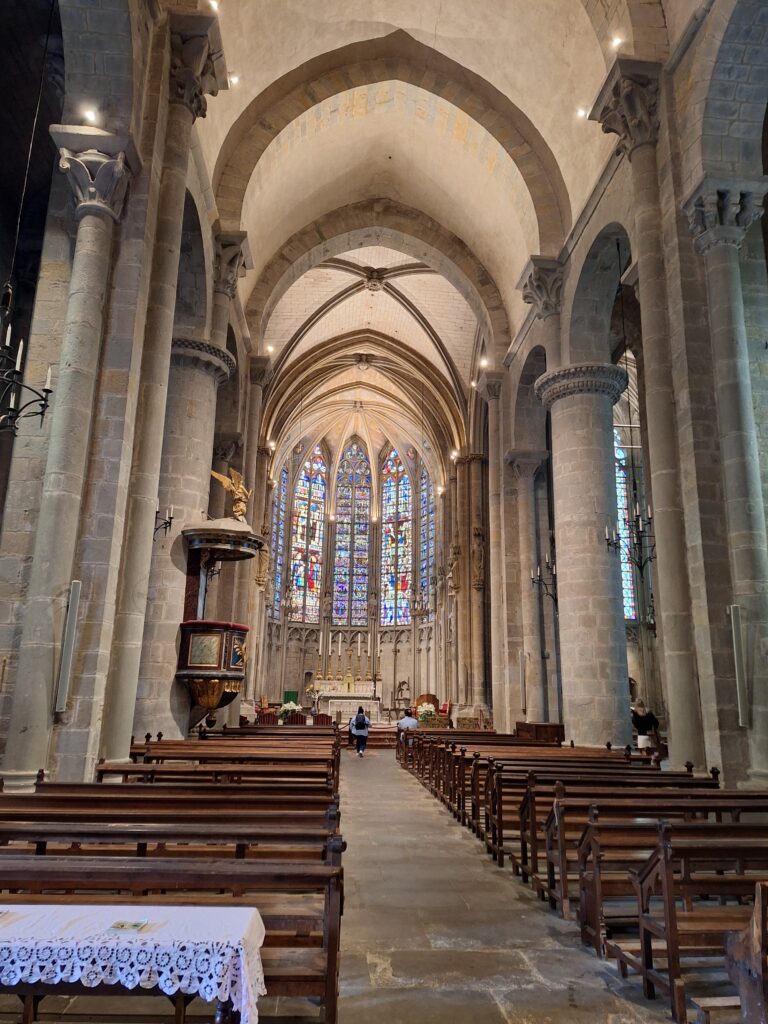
(434, 932)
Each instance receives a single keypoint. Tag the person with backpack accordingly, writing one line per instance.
(359, 727)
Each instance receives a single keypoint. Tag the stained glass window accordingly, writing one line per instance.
(307, 538)
(353, 513)
(396, 542)
(623, 506)
(426, 535)
(278, 538)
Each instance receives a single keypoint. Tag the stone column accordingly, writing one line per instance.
(593, 647)
(461, 581)
(720, 214)
(194, 71)
(627, 106)
(197, 370)
(99, 179)
(524, 465)
(479, 695)
(490, 385)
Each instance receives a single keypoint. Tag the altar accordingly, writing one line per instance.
(345, 696)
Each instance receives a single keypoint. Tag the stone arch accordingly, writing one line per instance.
(590, 338)
(643, 21)
(400, 57)
(394, 225)
(104, 50)
(727, 140)
(530, 417)
(191, 312)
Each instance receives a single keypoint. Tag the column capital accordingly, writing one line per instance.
(226, 445)
(583, 378)
(265, 452)
(627, 104)
(490, 385)
(260, 370)
(98, 167)
(197, 61)
(229, 260)
(720, 212)
(541, 285)
(525, 462)
(204, 356)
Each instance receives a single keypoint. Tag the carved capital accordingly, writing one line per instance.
(490, 385)
(228, 261)
(196, 62)
(204, 356)
(260, 370)
(98, 182)
(524, 463)
(542, 285)
(583, 378)
(226, 446)
(628, 104)
(721, 212)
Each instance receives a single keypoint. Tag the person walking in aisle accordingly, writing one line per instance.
(360, 726)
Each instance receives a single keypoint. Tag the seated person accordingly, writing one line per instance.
(646, 724)
(408, 721)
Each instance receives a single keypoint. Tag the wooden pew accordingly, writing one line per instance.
(320, 777)
(677, 915)
(747, 961)
(240, 840)
(610, 849)
(297, 901)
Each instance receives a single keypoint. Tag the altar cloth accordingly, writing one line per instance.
(213, 953)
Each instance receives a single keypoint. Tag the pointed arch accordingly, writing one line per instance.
(307, 535)
(353, 518)
(396, 542)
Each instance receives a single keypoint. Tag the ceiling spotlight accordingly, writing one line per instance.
(473, 383)
(214, 4)
(455, 453)
(234, 79)
(616, 42)
(270, 348)
(90, 116)
(581, 112)
(271, 445)
(483, 362)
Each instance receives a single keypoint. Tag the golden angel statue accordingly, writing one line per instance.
(240, 494)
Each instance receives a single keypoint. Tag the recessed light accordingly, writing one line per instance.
(581, 112)
(90, 116)
(616, 42)
(473, 383)
(234, 79)
(455, 453)
(483, 362)
(214, 4)
(270, 348)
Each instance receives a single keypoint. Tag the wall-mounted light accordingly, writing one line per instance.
(582, 112)
(616, 42)
(233, 79)
(484, 362)
(473, 383)
(270, 349)
(90, 116)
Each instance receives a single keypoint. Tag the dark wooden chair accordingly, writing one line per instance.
(296, 718)
(266, 718)
(322, 720)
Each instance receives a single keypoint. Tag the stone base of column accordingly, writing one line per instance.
(19, 781)
(757, 778)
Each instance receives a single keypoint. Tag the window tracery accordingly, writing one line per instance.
(396, 542)
(353, 513)
(308, 531)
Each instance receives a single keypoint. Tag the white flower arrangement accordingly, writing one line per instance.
(289, 708)
(426, 713)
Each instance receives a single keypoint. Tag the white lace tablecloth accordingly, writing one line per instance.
(212, 952)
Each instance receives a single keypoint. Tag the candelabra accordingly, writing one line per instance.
(634, 536)
(162, 524)
(15, 400)
(546, 581)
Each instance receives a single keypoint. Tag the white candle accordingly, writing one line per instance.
(157, 506)
(554, 569)
(12, 404)
(170, 512)
(19, 355)
(606, 533)
(538, 572)
(8, 337)
(533, 575)
(48, 379)
(649, 512)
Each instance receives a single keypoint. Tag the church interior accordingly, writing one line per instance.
(388, 380)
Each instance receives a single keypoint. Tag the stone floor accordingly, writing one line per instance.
(433, 931)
